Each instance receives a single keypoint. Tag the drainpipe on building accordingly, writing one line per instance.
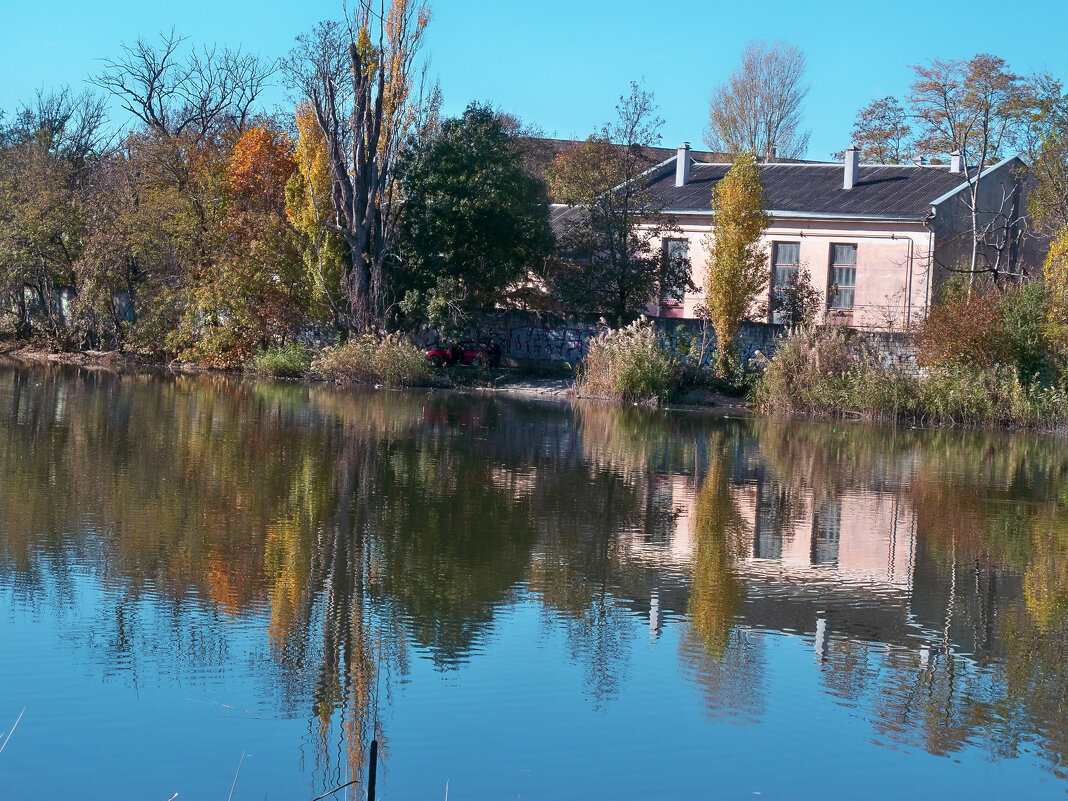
(908, 284)
(930, 260)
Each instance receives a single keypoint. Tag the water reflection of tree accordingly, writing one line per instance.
(605, 524)
(722, 657)
(990, 585)
(364, 525)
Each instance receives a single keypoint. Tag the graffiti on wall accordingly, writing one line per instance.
(526, 338)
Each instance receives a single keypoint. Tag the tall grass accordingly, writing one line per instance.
(827, 373)
(289, 361)
(392, 360)
(627, 364)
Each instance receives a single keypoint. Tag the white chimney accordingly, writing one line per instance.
(682, 165)
(852, 167)
(956, 163)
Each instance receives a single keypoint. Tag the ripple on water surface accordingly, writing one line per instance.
(516, 599)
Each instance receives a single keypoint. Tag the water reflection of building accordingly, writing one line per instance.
(863, 536)
(845, 566)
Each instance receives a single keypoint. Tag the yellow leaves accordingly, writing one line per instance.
(399, 20)
(1055, 278)
(738, 269)
(738, 201)
(308, 200)
(367, 52)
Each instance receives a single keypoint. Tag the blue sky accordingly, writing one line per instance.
(562, 65)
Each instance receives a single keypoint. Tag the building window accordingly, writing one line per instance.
(786, 260)
(843, 277)
(676, 253)
(827, 533)
(772, 518)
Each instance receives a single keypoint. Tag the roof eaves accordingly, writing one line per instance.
(805, 215)
(982, 174)
(650, 171)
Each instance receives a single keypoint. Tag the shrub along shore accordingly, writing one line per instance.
(822, 373)
(987, 358)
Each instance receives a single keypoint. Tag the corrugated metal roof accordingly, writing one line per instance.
(561, 215)
(897, 191)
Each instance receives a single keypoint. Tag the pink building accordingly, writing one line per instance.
(876, 239)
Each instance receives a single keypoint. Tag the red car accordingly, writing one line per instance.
(461, 353)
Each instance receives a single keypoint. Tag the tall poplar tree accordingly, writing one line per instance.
(738, 269)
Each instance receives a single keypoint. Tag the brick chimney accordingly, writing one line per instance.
(852, 167)
(682, 165)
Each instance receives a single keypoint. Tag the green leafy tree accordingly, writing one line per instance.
(737, 270)
(48, 155)
(40, 232)
(474, 222)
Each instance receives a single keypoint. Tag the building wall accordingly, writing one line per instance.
(1001, 204)
(529, 337)
(892, 266)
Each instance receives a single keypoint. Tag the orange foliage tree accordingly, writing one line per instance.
(257, 293)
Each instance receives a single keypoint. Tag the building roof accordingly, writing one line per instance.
(539, 152)
(561, 215)
(887, 191)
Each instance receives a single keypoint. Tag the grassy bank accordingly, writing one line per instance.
(635, 364)
(627, 364)
(827, 372)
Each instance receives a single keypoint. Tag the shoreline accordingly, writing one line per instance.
(506, 382)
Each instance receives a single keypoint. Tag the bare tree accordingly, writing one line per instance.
(193, 94)
(612, 260)
(358, 75)
(1047, 150)
(71, 127)
(758, 109)
(978, 109)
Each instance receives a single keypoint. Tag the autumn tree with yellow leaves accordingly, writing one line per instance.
(357, 77)
(737, 270)
(308, 201)
(1055, 278)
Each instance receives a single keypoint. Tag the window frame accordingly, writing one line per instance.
(773, 315)
(833, 286)
(673, 297)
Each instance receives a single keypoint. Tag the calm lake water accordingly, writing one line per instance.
(519, 600)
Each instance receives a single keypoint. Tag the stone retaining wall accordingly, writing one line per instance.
(527, 338)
